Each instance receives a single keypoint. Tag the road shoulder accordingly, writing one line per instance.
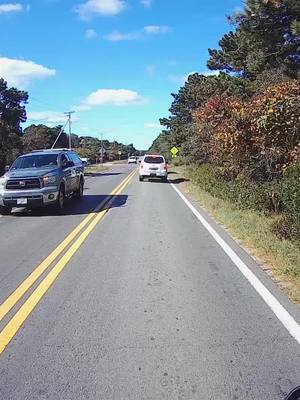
(253, 253)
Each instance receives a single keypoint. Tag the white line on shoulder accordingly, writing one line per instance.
(281, 313)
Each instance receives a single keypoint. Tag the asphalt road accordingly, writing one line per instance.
(149, 307)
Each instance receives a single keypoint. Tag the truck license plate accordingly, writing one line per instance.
(21, 202)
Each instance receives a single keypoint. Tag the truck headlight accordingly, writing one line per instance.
(49, 180)
(2, 183)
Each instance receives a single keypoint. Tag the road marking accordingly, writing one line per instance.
(13, 326)
(281, 313)
(12, 300)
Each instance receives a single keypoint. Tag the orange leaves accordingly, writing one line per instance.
(264, 131)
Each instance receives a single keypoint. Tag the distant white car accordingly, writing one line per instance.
(85, 161)
(132, 160)
(153, 166)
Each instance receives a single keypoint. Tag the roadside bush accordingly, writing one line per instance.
(289, 225)
(205, 176)
(245, 195)
(290, 187)
(261, 197)
(287, 228)
(178, 161)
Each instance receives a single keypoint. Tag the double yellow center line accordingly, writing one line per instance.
(80, 233)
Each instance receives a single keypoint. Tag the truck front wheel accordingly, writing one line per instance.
(5, 210)
(60, 205)
(79, 191)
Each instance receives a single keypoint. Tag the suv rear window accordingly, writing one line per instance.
(154, 160)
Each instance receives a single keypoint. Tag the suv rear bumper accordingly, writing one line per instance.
(33, 198)
(158, 174)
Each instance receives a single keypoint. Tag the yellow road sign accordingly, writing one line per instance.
(174, 151)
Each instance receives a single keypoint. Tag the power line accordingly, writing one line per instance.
(58, 136)
(69, 115)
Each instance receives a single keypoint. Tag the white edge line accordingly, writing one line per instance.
(281, 313)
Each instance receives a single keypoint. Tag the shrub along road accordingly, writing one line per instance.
(146, 305)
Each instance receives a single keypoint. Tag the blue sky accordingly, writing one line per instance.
(115, 62)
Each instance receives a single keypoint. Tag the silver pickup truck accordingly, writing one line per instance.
(42, 178)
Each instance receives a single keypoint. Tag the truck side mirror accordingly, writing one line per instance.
(69, 164)
(7, 167)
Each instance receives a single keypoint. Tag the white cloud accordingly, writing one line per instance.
(150, 70)
(112, 97)
(146, 3)
(90, 34)
(119, 36)
(10, 7)
(209, 73)
(152, 125)
(50, 117)
(21, 72)
(81, 107)
(100, 7)
(156, 29)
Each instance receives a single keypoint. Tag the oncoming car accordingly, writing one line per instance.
(132, 160)
(42, 178)
(85, 161)
(153, 166)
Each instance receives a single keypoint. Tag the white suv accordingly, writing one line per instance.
(153, 166)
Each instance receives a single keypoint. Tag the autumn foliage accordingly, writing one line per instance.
(258, 138)
(239, 128)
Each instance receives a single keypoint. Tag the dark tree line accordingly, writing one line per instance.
(12, 114)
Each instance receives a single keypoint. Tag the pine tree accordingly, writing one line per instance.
(266, 37)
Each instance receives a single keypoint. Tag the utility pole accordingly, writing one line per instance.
(69, 115)
(101, 148)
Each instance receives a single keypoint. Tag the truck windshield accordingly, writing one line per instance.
(35, 161)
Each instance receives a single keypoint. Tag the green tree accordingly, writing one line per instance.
(266, 37)
(162, 145)
(43, 137)
(12, 114)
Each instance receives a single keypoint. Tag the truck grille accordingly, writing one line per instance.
(23, 184)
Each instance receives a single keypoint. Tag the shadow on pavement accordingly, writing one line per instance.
(85, 205)
(177, 181)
